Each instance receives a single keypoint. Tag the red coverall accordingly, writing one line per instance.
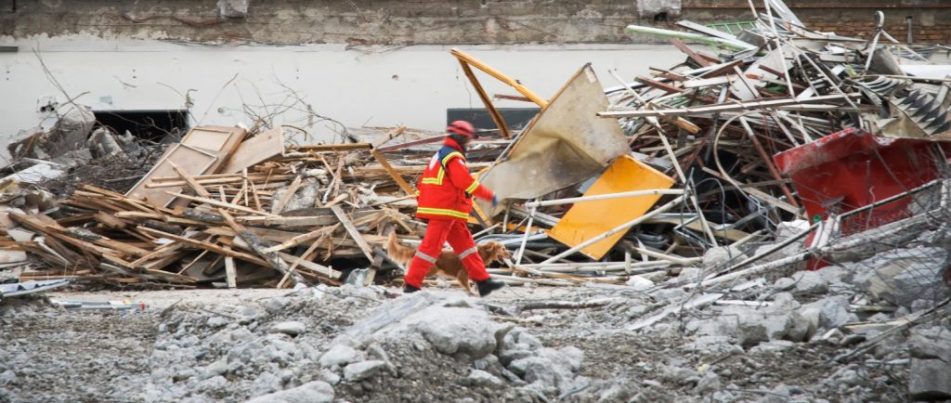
(445, 199)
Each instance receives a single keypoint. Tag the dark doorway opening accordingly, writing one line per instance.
(515, 118)
(152, 125)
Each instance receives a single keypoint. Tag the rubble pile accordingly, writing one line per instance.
(777, 147)
(780, 146)
(809, 337)
(315, 344)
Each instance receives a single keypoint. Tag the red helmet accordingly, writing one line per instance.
(462, 128)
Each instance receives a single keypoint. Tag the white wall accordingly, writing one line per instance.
(384, 87)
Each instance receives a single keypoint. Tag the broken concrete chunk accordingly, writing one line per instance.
(902, 276)
(931, 342)
(292, 328)
(340, 355)
(784, 284)
(834, 312)
(482, 378)
(311, 392)
(103, 144)
(362, 370)
(721, 255)
(456, 331)
(928, 379)
(638, 283)
(809, 282)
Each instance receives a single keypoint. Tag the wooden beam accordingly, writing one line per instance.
(463, 57)
(207, 246)
(393, 174)
(218, 203)
(658, 85)
(692, 54)
(494, 113)
(314, 267)
(288, 194)
(348, 225)
(273, 259)
(334, 147)
(230, 272)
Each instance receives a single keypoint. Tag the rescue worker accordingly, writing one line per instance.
(445, 198)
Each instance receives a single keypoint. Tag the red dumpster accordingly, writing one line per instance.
(851, 169)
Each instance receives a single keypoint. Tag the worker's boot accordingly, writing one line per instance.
(408, 289)
(488, 285)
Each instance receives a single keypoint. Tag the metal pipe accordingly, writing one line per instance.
(608, 196)
(727, 107)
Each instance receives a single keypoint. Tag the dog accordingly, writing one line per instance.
(448, 262)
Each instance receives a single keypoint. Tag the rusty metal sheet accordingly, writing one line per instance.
(564, 145)
(586, 220)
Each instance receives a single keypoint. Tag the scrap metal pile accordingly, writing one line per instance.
(783, 124)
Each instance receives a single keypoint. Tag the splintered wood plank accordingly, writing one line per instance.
(219, 203)
(191, 159)
(314, 267)
(348, 225)
(273, 259)
(288, 194)
(392, 172)
(657, 84)
(299, 239)
(334, 147)
(207, 246)
(109, 220)
(190, 181)
(230, 272)
(255, 150)
(692, 54)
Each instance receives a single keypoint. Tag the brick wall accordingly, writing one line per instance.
(409, 22)
(930, 19)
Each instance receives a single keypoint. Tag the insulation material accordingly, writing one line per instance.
(565, 144)
(589, 219)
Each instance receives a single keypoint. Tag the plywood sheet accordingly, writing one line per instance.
(188, 159)
(214, 139)
(586, 220)
(255, 150)
(202, 151)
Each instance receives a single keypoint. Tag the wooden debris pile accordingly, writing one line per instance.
(221, 209)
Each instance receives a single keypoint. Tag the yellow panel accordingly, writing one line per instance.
(586, 220)
(475, 206)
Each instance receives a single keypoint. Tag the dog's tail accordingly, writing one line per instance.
(398, 252)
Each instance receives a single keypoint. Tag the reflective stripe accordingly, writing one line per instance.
(441, 173)
(472, 187)
(468, 252)
(425, 257)
(437, 180)
(442, 212)
(449, 156)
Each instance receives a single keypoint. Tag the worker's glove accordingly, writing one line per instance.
(495, 201)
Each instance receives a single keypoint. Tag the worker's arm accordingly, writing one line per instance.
(460, 177)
